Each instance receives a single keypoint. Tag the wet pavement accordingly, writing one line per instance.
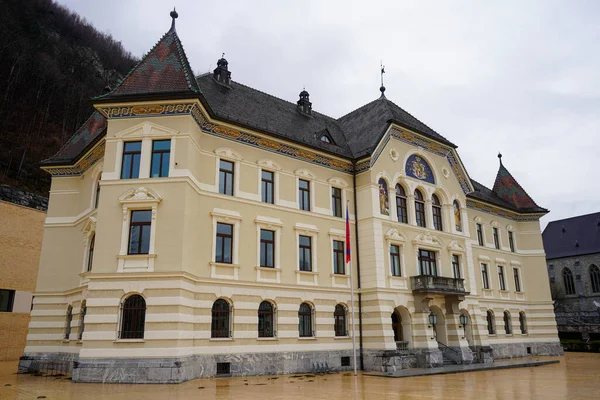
(577, 376)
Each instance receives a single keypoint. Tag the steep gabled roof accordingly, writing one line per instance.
(507, 188)
(242, 105)
(365, 126)
(88, 133)
(165, 69)
(572, 236)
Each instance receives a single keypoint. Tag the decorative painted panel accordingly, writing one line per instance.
(417, 167)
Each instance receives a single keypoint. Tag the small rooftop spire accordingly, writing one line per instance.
(173, 15)
(500, 157)
(382, 88)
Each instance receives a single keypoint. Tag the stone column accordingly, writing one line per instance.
(448, 218)
(392, 204)
(410, 208)
(428, 214)
(456, 332)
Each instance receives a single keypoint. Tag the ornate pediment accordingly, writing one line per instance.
(228, 153)
(305, 173)
(455, 246)
(339, 182)
(146, 129)
(268, 164)
(394, 235)
(140, 194)
(426, 239)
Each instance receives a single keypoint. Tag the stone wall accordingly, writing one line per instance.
(512, 350)
(17, 196)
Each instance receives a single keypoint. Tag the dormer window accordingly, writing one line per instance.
(325, 139)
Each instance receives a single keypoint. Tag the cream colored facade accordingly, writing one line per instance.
(180, 279)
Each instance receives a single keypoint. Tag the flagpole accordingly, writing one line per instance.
(349, 266)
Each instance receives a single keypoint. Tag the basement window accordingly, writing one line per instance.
(346, 361)
(223, 369)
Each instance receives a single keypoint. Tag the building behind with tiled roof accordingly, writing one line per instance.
(196, 228)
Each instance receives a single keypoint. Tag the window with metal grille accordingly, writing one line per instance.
(507, 323)
(436, 208)
(133, 317)
(456, 266)
(226, 177)
(224, 244)
(223, 368)
(267, 185)
(305, 320)
(267, 248)
(161, 155)
(479, 234)
(568, 281)
(266, 320)
(220, 326)
(304, 194)
(339, 316)
(490, 322)
(130, 168)
(338, 257)
(595, 278)
(419, 208)
(336, 202)
(68, 322)
(401, 209)
(91, 253)
(139, 232)
(305, 253)
(427, 262)
(395, 260)
(484, 276)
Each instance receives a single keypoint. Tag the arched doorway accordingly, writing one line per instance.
(397, 326)
(401, 326)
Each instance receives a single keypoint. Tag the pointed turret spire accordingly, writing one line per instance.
(164, 69)
(382, 88)
(507, 187)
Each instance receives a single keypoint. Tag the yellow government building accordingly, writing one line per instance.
(196, 228)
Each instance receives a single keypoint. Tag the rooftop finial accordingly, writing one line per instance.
(382, 88)
(500, 157)
(173, 15)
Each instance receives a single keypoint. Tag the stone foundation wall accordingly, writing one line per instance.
(181, 369)
(525, 349)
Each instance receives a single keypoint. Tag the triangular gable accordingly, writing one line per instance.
(165, 69)
(507, 188)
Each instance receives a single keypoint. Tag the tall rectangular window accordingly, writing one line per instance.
(517, 279)
(161, 154)
(511, 241)
(395, 260)
(304, 194)
(130, 167)
(456, 266)
(224, 250)
(338, 257)
(226, 177)
(479, 234)
(267, 185)
(305, 253)
(139, 232)
(7, 299)
(267, 248)
(501, 277)
(496, 238)
(427, 262)
(420, 213)
(484, 276)
(336, 201)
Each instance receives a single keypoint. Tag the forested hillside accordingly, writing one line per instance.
(52, 61)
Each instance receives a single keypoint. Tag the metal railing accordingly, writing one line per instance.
(432, 283)
(402, 346)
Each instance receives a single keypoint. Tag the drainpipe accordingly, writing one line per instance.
(360, 334)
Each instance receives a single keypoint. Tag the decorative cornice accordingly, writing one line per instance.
(95, 154)
(427, 239)
(394, 235)
(500, 212)
(193, 109)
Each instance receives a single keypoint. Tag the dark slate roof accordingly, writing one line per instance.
(365, 126)
(574, 236)
(252, 108)
(91, 130)
(21, 197)
(165, 69)
(482, 193)
(507, 188)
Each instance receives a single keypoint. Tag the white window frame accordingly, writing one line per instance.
(227, 154)
(311, 231)
(268, 274)
(338, 280)
(133, 200)
(230, 217)
(393, 237)
(341, 184)
(310, 177)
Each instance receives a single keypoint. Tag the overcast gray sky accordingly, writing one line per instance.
(520, 77)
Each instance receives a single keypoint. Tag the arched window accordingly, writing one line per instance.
(305, 320)
(97, 194)
(82, 319)
(490, 322)
(220, 319)
(507, 323)
(401, 204)
(384, 206)
(266, 319)
(419, 208)
(68, 322)
(133, 317)
(436, 208)
(339, 316)
(568, 281)
(91, 253)
(595, 278)
(457, 217)
(523, 322)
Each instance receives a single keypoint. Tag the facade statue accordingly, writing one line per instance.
(383, 198)
(457, 221)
